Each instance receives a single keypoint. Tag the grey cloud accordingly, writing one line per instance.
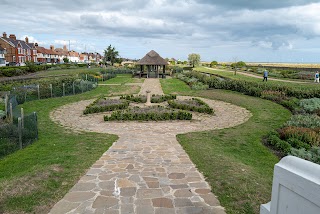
(256, 4)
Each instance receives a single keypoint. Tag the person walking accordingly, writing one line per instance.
(265, 75)
(316, 77)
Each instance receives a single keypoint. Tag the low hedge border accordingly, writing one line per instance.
(155, 113)
(198, 106)
(154, 98)
(103, 104)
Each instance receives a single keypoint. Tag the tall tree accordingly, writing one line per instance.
(110, 55)
(194, 59)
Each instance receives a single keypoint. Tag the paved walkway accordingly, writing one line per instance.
(146, 170)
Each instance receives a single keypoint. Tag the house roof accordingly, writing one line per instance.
(152, 58)
(15, 43)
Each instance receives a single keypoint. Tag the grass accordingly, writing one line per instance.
(32, 180)
(123, 79)
(71, 72)
(239, 76)
(234, 161)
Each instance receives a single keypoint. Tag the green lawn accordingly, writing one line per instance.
(239, 76)
(69, 72)
(32, 180)
(123, 79)
(237, 166)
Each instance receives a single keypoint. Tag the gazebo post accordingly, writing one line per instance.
(164, 71)
(141, 71)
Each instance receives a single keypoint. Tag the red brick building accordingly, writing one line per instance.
(18, 51)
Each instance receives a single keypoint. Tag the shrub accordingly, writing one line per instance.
(312, 155)
(305, 135)
(154, 98)
(162, 98)
(154, 113)
(278, 144)
(304, 120)
(276, 96)
(298, 144)
(199, 86)
(194, 104)
(251, 88)
(103, 104)
(310, 105)
(291, 103)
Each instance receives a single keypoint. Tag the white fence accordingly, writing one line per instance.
(295, 188)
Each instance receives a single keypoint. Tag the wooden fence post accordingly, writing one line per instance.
(51, 92)
(20, 132)
(22, 118)
(38, 91)
(11, 113)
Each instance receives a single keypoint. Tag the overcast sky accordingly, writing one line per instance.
(222, 30)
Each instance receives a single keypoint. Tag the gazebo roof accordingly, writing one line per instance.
(152, 58)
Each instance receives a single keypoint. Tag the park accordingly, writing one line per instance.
(195, 139)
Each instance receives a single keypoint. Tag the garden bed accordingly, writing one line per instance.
(193, 104)
(154, 113)
(300, 136)
(154, 98)
(103, 104)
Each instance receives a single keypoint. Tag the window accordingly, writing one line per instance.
(13, 58)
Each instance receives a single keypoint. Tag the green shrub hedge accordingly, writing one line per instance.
(103, 104)
(154, 113)
(252, 88)
(154, 98)
(193, 104)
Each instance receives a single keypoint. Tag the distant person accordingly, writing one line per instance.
(265, 75)
(316, 77)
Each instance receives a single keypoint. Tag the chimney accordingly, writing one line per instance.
(12, 36)
(36, 44)
(27, 40)
(65, 48)
(4, 35)
(52, 47)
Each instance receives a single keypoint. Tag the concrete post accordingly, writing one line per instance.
(148, 103)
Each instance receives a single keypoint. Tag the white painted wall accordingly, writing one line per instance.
(295, 188)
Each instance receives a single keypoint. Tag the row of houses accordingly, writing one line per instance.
(14, 51)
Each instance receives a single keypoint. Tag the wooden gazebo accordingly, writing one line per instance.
(154, 63)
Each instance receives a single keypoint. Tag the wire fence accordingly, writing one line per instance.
(17, 129)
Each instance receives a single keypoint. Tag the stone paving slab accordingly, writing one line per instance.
(146, 170)
(151, 84)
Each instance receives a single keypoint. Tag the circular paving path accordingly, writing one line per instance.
(146, 170)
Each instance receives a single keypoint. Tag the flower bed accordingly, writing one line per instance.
(154, 113)
(103, 104)
(193, 104)
(154, 98)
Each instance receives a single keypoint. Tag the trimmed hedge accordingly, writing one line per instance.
(10, 71)
(155, 113)
(103, 104)
(194, 104)
(252, 88)
(154, 98)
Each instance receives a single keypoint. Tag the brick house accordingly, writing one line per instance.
(45, 55)
(62, 53)
(18, 51)
(2, 58)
